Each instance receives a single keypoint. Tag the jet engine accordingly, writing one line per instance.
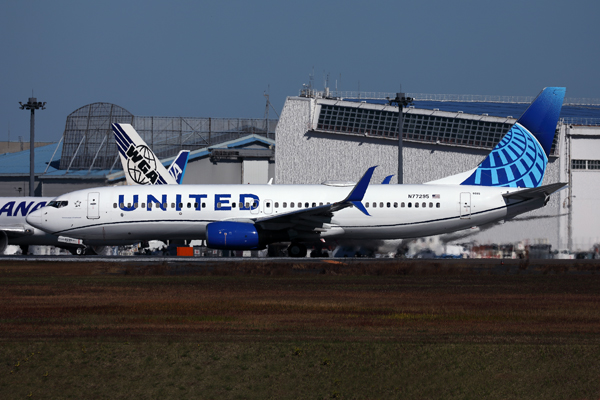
(230, 235)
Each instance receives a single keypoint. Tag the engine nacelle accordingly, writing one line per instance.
(230, 235)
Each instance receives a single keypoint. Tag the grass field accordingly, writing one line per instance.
(328, 330)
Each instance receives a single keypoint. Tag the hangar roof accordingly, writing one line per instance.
(18, 163)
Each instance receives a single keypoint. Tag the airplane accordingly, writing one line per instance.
(14, 229)
(243, 217)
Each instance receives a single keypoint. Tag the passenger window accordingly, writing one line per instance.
(164, 205)
(172, 205)
(374, 205)
(195, 205)
(437, 205)
(255, 205)
(115, 205)
(203, 205)
(314, 204)
(143, 205)
(367, 204)
(430, 205)
(402, 205)
(306, 205)
(396, 204)
(268, 205)
(180, 205)
(416, 205)
(409, 204)
(381, 204)
(284, 204)
(218, 205)
(247, 205)
(122, 205)
(135, 205)
(276, 205)
(389, 205)
(299, 205)
(233, 205)
(128, 205)
(320, 204)
(149, 205)
(424, 205)
(189, 205)
(292, 204)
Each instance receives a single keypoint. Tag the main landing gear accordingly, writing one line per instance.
(297, 250)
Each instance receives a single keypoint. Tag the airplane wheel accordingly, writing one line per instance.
(79, 251)
(297, 250)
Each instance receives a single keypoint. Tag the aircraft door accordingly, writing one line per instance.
(93, 208)
(254, 207)
(465, 205)
(268, 206)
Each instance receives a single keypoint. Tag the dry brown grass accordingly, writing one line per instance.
(289, 330)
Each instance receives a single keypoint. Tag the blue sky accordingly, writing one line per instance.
(216, 59)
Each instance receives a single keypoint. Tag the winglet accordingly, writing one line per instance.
(356, 195)
(387, 179)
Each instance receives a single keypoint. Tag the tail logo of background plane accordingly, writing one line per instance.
(141, 165)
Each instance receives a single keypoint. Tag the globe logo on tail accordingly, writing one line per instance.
(141, 165)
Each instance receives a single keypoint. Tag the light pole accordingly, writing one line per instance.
(32, 105)
(402, 102)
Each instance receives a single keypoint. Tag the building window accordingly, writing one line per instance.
(578, 164)
(593, 164)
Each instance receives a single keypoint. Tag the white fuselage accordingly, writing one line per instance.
(396, 211)
(13, 211)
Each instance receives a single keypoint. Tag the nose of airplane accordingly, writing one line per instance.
(35, 219)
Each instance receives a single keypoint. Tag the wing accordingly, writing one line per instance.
(317, 219)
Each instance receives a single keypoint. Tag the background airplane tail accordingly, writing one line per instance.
(140, 164)
(520, 159)
(177, 168)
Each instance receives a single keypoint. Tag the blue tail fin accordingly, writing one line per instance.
(520, 159)
(177, 168)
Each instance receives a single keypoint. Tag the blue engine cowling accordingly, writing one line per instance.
(229, 235)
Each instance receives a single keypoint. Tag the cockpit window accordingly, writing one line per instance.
(58, 204)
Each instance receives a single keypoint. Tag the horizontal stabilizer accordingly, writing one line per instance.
(533, 193)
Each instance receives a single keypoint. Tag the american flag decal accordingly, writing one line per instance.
(436, 196)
